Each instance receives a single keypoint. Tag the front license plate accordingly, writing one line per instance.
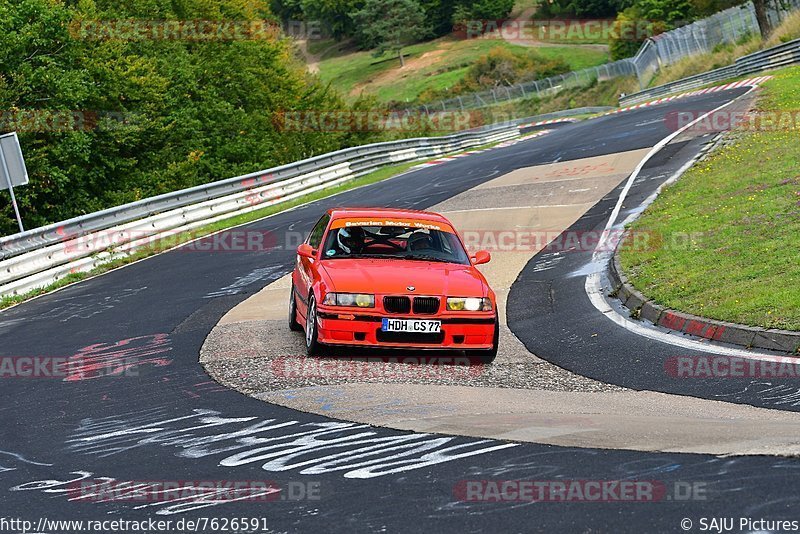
(411, 325)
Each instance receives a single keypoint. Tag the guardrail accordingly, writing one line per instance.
(39, 257)
(778, 56)
(564, 113)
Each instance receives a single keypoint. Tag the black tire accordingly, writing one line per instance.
(294, 326)
(487, 356)
(313, 346)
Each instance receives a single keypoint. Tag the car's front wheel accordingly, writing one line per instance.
(294, 326)
(312, 345)
(488, 356)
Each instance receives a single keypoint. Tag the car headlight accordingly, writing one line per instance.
(469, 304)
(359, 300)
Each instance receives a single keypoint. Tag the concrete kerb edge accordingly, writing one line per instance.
(641, 307)
(749, 337)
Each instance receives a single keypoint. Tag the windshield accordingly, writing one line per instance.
(408, 243)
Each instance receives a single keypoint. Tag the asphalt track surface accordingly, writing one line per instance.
(549, 295)
(163, 420)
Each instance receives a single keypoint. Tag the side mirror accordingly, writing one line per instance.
(480, 257)
(306, 251)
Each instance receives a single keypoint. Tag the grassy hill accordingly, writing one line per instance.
(437, 64)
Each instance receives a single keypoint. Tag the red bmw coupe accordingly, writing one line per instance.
(391, 278)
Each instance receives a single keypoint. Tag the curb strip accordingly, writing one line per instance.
(735, 334)
(714, 89)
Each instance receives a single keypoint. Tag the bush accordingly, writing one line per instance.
(498, 68)
(162, 114)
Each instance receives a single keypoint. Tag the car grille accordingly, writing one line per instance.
(426, 305)
(397, 304)
(402, 304)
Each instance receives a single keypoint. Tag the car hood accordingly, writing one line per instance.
(394, 277)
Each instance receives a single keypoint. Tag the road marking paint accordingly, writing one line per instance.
(357, 451)
(600, 259)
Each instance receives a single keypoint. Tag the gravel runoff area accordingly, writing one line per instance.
(258, 356)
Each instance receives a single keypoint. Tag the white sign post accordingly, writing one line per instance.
(12, 168)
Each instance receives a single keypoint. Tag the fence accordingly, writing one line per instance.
(538, 88)
(38, 257)
(728, 26)
(777, 56)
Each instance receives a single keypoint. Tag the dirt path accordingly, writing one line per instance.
(412, 64)
(312, 60)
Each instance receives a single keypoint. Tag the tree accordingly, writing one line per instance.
(762, 18)
(619, 45)
(491, 9)
(671, 12)
(663, 15)
(287, 10)
(582, 8)
(105, 121)
(335, 15)
(390, 25)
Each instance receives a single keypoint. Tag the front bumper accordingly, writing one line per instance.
(472, 332)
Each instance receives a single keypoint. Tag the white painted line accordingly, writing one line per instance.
(599, 259)
(653, 151)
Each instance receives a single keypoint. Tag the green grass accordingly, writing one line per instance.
(598, 94)
(319, 46)
(741, 205)
(453, 57)
(237, 220)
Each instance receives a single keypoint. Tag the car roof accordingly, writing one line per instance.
(339, 213)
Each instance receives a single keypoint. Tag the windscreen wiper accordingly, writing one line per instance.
(428, 258)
